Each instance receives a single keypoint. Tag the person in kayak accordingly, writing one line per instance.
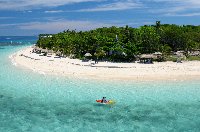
(103, 100)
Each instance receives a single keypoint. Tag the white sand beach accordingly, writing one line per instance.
(106, 70)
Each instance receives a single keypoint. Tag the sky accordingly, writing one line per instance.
(33, 17)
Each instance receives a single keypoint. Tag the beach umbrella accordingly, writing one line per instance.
(87, 55)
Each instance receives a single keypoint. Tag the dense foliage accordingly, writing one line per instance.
(123, 43)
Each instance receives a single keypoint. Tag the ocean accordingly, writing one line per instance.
(39, 103)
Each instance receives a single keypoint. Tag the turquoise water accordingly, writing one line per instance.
(39, 103)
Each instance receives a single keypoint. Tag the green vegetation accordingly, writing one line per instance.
(124, 43)
(191, 58)
(171, 58)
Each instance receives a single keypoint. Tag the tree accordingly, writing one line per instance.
(123, 43)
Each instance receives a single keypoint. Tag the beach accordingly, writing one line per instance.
(105, 70)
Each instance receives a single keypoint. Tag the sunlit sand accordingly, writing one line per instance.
(106, 70)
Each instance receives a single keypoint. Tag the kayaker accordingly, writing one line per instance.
(103, 100)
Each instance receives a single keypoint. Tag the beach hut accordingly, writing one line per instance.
(147, 58)
(158, 56)
(87, 55)
(49, 53)
(34, 49)
(58, 53)
(157, 53)
(38, 50)
(44, 50)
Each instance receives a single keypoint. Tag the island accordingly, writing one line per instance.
(150, 52)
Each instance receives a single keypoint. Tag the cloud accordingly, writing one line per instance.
(35, 28)
(54, 11)
(8, 25)
(184, 14)
(30, 4)
(61, 25)
(178, 5)
(118, 5)
(2, 18)
(184, 8)
(56, 26)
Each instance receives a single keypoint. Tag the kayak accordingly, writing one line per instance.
(108, 102)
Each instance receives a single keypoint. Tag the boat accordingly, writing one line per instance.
(108, 102)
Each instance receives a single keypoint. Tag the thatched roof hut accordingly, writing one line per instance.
(147, 56)
(87, 55)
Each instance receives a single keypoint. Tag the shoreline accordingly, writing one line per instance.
(52, 65)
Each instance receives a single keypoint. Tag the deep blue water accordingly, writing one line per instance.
(33, 102)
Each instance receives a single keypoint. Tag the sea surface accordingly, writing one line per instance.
(39, 103)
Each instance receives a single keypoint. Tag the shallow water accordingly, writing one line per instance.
(34, 102)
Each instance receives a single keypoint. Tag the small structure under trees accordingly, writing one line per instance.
(147, 58)
(87, 55)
